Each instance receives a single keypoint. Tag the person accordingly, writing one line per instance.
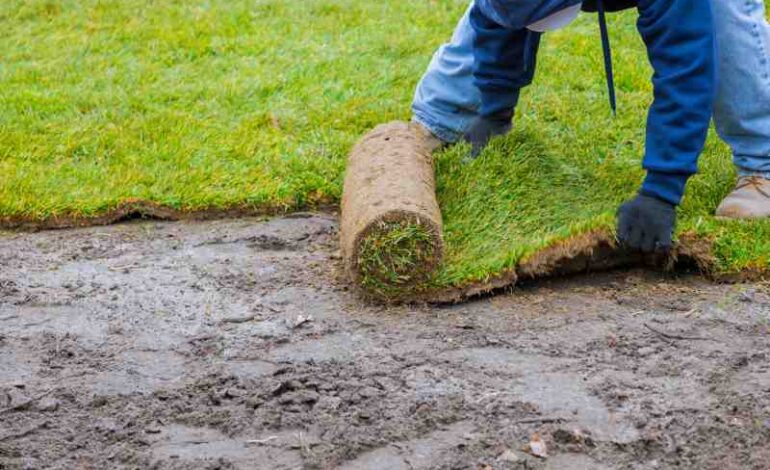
(742, 108)
(473, 84)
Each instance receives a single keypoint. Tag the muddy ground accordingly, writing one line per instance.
(234, 344)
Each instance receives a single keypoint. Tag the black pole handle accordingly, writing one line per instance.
(607, 55)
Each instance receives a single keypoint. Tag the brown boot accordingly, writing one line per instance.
(749, 200)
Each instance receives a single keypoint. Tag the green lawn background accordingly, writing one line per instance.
(215, 104)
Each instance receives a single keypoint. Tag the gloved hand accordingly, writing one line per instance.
(647, 223)
(485, 128)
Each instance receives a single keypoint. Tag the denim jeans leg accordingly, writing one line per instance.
(447, 101)
(742, 110)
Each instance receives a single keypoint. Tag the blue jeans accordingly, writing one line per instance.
(447, 102)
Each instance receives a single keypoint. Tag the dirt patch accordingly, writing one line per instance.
(234, 344)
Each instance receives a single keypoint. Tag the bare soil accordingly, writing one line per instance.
(237, 344)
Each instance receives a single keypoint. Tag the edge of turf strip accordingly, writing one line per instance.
(135, 209)
(593, 251)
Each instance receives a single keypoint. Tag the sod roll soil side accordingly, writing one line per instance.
(391, 221)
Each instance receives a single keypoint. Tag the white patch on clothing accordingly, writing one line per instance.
(557, 20)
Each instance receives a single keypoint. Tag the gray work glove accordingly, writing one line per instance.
(647, 223)
(485, 128)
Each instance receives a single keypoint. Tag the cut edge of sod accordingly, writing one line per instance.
(396, 257)
(139, 209)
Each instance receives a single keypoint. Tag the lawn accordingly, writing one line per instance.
(220, 104)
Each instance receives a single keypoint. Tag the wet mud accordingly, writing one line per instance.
(238, 344)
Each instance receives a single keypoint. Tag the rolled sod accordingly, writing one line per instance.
(391, 222)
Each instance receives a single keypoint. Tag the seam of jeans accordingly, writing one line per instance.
(754, 8)
(763, 50)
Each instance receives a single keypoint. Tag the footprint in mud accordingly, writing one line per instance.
(419, 453)
(542, 381)
(340, 347)
(574, 462)
(185, 445)
(271, 243)
(138, 372)
(16, 366)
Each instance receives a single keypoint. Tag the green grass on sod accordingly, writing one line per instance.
(393, 258)
(199, 105)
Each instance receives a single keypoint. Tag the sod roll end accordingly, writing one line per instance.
(391, 222)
